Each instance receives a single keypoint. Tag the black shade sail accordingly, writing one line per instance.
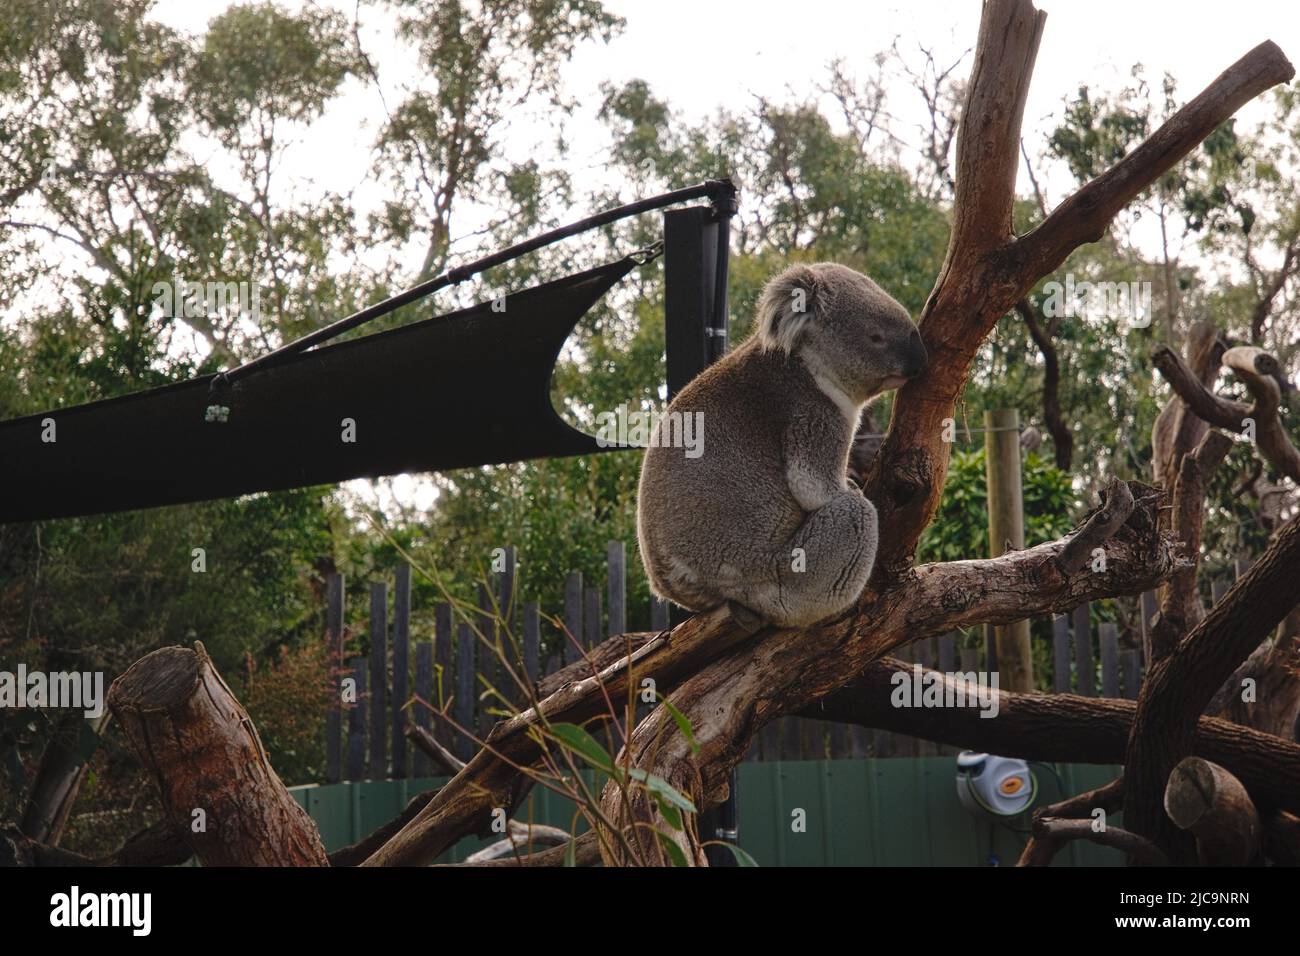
(468, 388)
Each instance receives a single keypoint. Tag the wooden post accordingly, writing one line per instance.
(1218, 589)
(506, 590)
(489, 667)
(1007, 531)
(572, 616)
(465, 691)
(423, 690)
(444, 684)
(507, 635)
(334, 654)
(1109, 639)
(357, 723)
(616, 568)
(1060, 654)
(202, 751)
(401, 667)
(1147, 608)
(378, 680)
(923, 654)
(1131, 665)
(591, 615)
(791, 747)
(1083, 659)
(948, 651)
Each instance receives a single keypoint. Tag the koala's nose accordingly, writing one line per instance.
(917, 360)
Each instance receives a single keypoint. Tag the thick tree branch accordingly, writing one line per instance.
(786, 671)
(1178, 428)
(986, 270)
(1052, 831)
(1061, 728)
(1117, 505)
(1210, 803)
(1178, 687)
(1258, 369)
(1180, 600)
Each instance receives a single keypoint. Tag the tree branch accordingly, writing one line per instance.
(1061, 727)
(1085, 216)
(1178, 687)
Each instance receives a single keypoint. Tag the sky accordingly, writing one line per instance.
(703, 55)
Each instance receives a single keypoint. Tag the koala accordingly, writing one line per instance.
(762, 516)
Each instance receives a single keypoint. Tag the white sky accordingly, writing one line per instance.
(702, 55)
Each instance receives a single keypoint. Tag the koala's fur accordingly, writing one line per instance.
(779, 415)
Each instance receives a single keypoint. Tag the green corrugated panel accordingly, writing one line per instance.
(758, 819)
(900, 811)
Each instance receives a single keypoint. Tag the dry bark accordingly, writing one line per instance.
(190, 733)
(1258, 369)
(1211, 804)
(1055, 832)
(1041, 847)
(1178, 687)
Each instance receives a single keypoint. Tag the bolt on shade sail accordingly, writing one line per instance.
(468, 388)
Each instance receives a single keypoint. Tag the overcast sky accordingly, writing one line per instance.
(702, 55)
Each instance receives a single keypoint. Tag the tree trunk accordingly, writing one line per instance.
(202, 750)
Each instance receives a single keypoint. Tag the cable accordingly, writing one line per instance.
(722, 192)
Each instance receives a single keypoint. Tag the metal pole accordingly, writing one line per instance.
(696, 259)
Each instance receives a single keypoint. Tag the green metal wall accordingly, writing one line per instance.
(899, 811)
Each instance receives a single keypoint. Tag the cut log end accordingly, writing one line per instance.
(162, 680)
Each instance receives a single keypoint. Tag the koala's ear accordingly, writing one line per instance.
(788, 302)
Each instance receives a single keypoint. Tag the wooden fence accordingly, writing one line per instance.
(452, 665)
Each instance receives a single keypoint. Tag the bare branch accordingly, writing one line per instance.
(1085, 216)
(1062, 831)
(1100, 527)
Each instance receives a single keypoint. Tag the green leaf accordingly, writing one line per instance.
(669, 812)
(571, 853)
(674, 851)
(683, 724)
(742, 858)
(662, 788)
(582, 743)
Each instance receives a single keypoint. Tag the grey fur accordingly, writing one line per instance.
(779, 415)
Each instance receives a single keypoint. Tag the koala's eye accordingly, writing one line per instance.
(877, 338)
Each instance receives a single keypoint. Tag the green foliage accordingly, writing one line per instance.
(960, 529)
